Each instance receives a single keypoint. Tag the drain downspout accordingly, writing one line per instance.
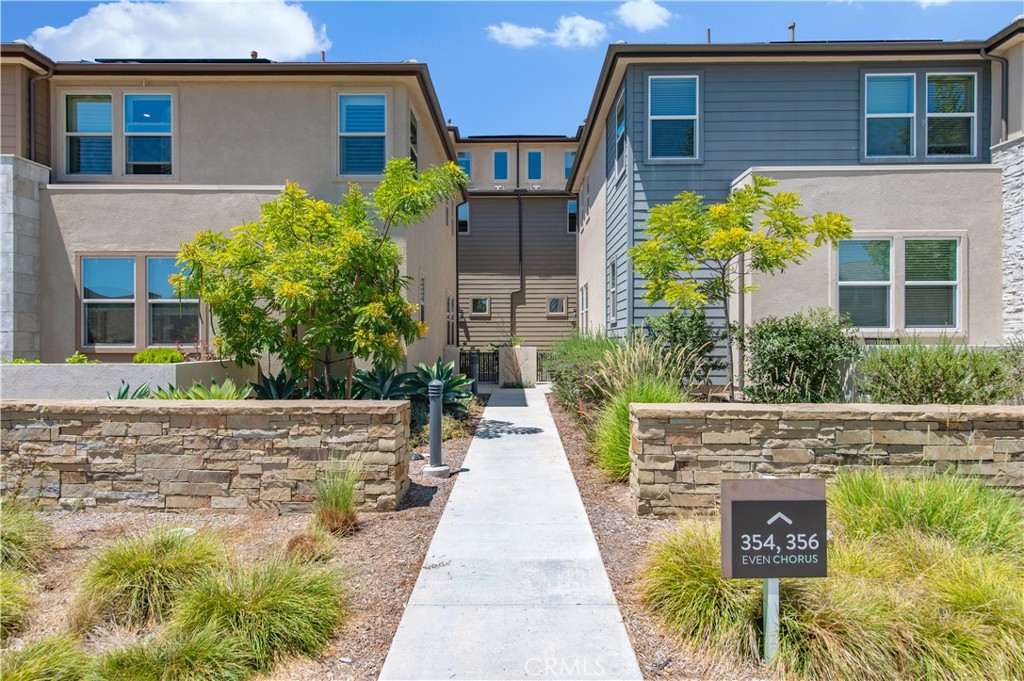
(32, 110)
(518, 296)
(1004, 87)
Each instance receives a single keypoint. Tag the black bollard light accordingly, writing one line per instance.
(436, 469)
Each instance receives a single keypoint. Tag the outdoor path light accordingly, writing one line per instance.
(435, 469)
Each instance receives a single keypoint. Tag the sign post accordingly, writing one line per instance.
(773, 528)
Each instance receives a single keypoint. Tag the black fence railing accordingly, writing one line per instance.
(487, 367)
(542, 372)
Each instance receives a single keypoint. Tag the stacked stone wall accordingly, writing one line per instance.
(1010, 156)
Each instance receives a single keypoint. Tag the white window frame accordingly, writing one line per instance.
(508, 165)
(585, 306)
(473, 313)
(451, 319)
(620, 158)
(565, 306)
(338, 93)
(125, 134)
(469, 223)
(568, 212)
(912, 116)
(695, 118)
(891, 283)
(534, 151)
(956, 283)
(973, 115)
(613, 295)
(176, 301)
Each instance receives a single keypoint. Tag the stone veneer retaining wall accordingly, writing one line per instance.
(200, 455)
(681, 452)
(1010, 156)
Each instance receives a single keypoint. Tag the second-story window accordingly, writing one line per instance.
(672, 117)
(534, 165)
(951, 114)
(89, 136)
(620, 132)
(462, 217)
(147, 134)
(571, 216)
(362, 129)
(889, 115)
(570, 157)
(414, 152)
(501, 165)
(466, 163)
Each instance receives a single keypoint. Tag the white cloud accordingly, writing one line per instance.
(573, 31)
(932, 3)
(161, 30)
(643, 15)
(515, 35)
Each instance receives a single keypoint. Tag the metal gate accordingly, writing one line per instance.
(487, 369)
(543, 376)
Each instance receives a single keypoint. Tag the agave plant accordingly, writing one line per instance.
(455, 394)
(279, 387)
(381, 384)
(216, 391)
(125, 392)
(325, 387)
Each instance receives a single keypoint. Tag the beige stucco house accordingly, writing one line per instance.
(114, 163)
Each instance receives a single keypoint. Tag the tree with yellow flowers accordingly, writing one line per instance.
(697, 254)
(315, 283)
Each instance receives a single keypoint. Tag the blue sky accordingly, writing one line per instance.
(499, 67)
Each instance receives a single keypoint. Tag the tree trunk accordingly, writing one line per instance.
(729, 364)
(350, 366)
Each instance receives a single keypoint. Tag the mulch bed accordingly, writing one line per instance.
(380, 561)
(623, 537)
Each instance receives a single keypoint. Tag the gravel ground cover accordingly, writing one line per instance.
(381, 561)
(623, 538)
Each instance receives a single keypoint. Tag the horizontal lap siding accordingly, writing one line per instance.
(13, 99)
(549, 257)
(617, 234)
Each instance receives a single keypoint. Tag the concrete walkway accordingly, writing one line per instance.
(513, 586)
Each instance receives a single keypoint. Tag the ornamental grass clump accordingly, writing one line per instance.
(24, 536)
(610, 434)
(52, 658)
(570, 362)
(335, 504)
(646, 357)
(315, 545)
(14, 602)
(205, 655)
(278, 609)
(137, 580)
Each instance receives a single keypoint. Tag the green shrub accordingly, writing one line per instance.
(24, 536)
(136, 580)
(797, 358)
(79, 358)
(197, 391)
(335, 504)
(571, 361)
(943, 372)
(205, 655)
(158, 356)
(419, 432)
(278, 609)
(610, 436)
(14, 602)
(455, 391)
(646, 357)
(52, 658)
(963, 510)
(690, 330)
(280, 387)
(20, 360)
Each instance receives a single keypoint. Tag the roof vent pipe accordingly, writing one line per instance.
(323, 56)
(792, 31)
(253, 55)
(709, 36)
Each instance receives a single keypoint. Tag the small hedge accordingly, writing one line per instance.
(610, 436)
(158, 356)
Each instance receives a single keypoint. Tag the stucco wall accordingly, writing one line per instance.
(20, 183)
(681, 452)
(218, 456)
(1011, 157)
(591, 266)
(961, 201)
(482, 164)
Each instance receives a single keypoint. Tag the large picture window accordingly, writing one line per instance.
(931, 282)
(170, 320)
(147, 134)
(951, 114)
(362, 129)
(865, 282)
(108, 301)
(889, 115)
(672, 117)
(88, 134)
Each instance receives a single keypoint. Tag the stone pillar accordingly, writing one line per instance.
(1010, 155)
(20, 182)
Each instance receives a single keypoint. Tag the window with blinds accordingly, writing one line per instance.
(951, 114)
(88, 134)
(865, 282)
(362, 129)
(672, 117)
(889, 115)
(931, 277)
